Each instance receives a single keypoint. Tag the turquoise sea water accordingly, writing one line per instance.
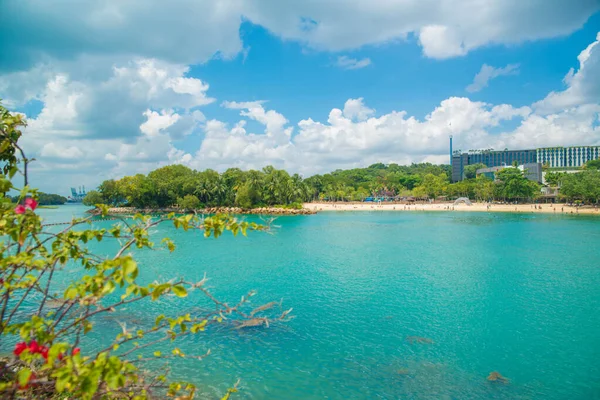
(517, 294)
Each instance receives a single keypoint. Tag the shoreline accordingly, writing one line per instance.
(449, 207)
(314, 208)
(215, 210)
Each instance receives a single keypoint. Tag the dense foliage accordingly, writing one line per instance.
(54, 291)
(182, 187)
(47, 199)
(583, 186)
(177, 185)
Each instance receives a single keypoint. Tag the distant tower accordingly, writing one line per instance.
(450, 150)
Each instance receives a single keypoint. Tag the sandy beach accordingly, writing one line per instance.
(475, 207)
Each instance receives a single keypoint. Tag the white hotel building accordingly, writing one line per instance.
(574, 156)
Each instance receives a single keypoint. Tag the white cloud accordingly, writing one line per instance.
(346, 62)
(583, 85)
(439, 41)
(356, 109)
(113, 107)
(51, 150)
(445, 28)
(488, 73)
(194, 31)
(185, 31)
(177, 125)
(124, 123)
(273, 121)
(349, 138)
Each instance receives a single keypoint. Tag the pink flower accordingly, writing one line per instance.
(76, 351)
(31, 203)
(34, 347)
(19, 348)
(20, 209)
(44, 352)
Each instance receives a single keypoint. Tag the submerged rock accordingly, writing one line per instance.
(418, 339)
(497, 377)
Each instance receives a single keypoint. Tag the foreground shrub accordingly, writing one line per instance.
(46, 313)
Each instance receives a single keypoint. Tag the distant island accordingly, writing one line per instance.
(46, 199)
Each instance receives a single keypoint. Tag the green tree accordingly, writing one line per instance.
(168, 183)
(434, 185)
(110, 192)
(46, 199)
(189, 202)
(49, 199)
(583, 186)
(246, 196)
(420, 192)
(92, 198)
(553, 178)
(484, 188)
(470, 171)
(592, 164)
(513, 185)
(10, 128)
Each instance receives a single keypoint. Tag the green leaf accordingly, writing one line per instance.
(130, 267)
(179, 291)
(87, 326)
(71, 293)
(23, 376)
(109, 287)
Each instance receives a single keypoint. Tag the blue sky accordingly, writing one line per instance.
(399, 78)
(113, 88)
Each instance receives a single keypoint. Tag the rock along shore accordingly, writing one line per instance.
(215, 210)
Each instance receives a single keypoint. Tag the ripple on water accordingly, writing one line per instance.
(512, 293)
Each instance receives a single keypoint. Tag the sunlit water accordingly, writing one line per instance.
(517, 294)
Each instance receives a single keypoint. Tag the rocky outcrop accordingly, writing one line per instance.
(215, 210)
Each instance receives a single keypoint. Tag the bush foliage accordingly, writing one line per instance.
(47, 313)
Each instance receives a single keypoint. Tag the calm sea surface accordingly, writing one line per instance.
(517, 294)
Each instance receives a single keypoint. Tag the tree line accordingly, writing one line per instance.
(46, 199)
(178, 185)
(582, 186)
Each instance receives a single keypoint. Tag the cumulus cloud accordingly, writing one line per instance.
(583, 85)
(125, 123)
(487, 73)
(354, 136)
(194, 31)
(185, 32)
(440, 41)
(346, 62)
(356, 109)
(444, 28)
(113, 107)
(273, 121)
(52, 151)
